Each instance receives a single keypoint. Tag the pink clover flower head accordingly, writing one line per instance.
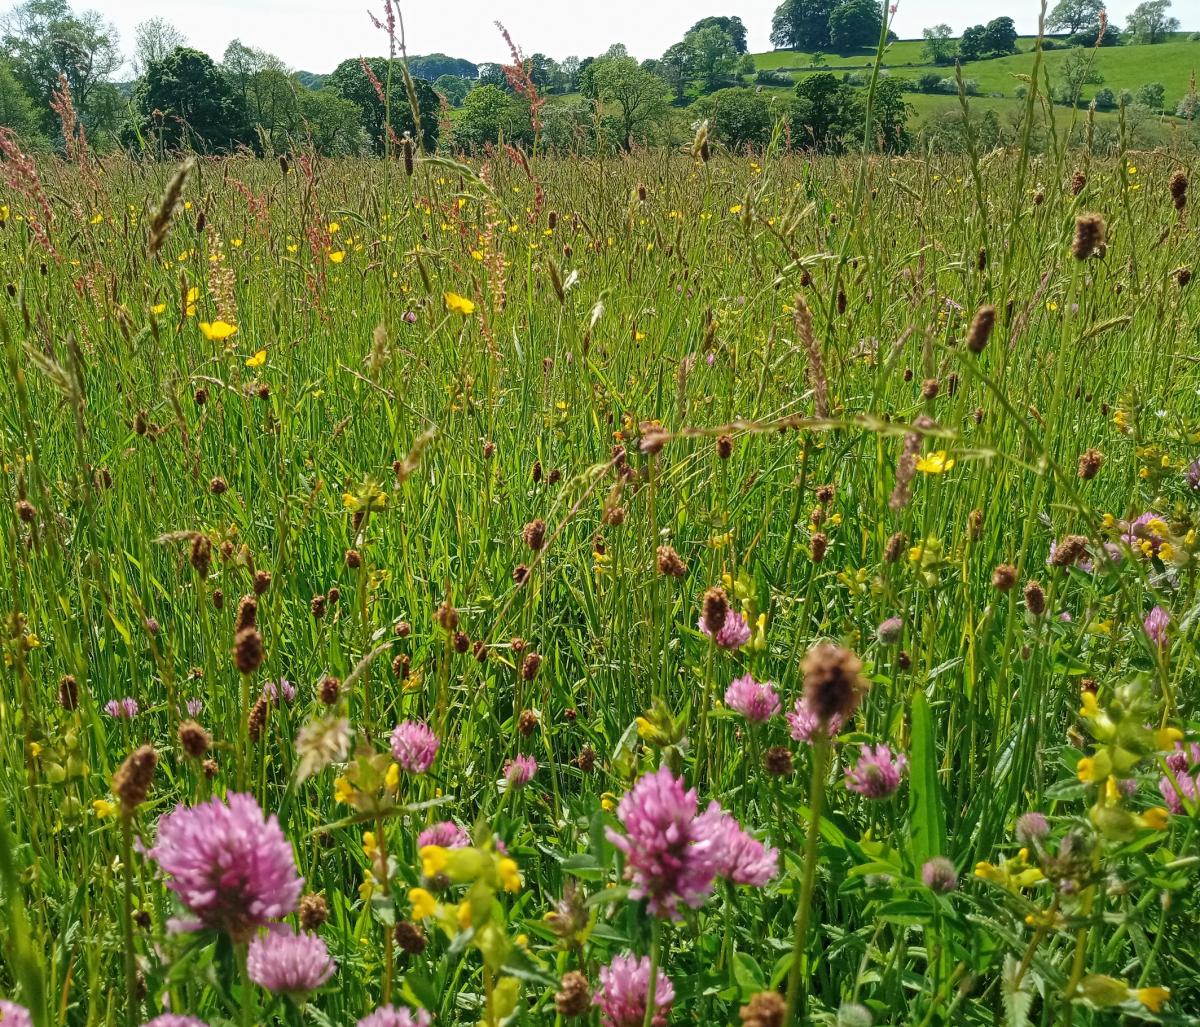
(804, 725)
(754, 700)
(122, 709)
(230, 865)
(1155, 626)
(289, 964)
(624, 988)
(415, 746)
(877, 773)
(446, 834)
(733, 634)
(396, 1016)
(13, 1015)
(519, 771)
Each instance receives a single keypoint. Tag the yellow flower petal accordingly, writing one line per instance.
(935, 463)
(457, 304)
(258, 359)
(1152, 998)
(423, 904)
(217, 331)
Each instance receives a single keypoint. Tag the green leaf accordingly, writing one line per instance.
(925, 794)
(748, 975)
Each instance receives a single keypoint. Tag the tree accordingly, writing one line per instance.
(1077, 70)
(826, 113)
(569, 69)
(568, 126)
(353, 83)
(636, 98)
(739, 118)
(493, 75)
(801, 24)
(1150, 23)
(433, 66)
(1000, 36)
(542, 71)
(16, 109)
(333, 123)
(714, 59)
(939, 45)
(676, 68)
(971, 45)
(489, 115)
(1105, 99)
(453, 88)
(153, 39)
(45, 40)
(855, 24)
(185, 101)
(732, 27)
(266, 91)
(1152, 95)
(889, 117)
(1071, 16)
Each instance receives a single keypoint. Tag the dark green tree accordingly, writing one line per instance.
(332, 122)
(827, 114)
(1150, 23)
(889, 117)
(16, 108)
(677, 68)
(453, 88)
(801, 24)
(186, 103)
(739, 118)
(634, 100)
(352, 82)
(714, 59)
(44, 39)
(433, 66)
(490, 115)
(1000, 36)
(939, 45)
(972, 45)
(1071, 16)
(855, 24)
(732, 27)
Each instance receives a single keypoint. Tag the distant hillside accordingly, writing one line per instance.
(310, 79)
(1122, 67)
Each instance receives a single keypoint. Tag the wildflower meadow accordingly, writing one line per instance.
(667, 587)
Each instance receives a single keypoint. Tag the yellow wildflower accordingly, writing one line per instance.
(457, 304)
(103, 808)
(1152, 998)
(258, 359)
(433, 860)
(423, 904)
(217, 331)
(510, 876)
(935, 463)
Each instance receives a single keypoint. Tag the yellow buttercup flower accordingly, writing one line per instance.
(258, 359)
(935, 463)
(1166, 737)
(158, 308)
(217, 331)
(510, 875)
(434, 859)
(1152, 998)
(103, 808)
(343, 790)
(189, 302)
(1156, 818)
(423, 904)
(457, 304)
(337, 256)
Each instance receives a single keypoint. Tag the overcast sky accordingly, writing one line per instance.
(314, 35)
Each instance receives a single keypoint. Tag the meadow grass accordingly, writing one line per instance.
(461, 413)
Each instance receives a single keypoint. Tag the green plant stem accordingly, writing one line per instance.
(820, 762)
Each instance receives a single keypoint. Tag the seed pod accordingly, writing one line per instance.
(981, 328)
